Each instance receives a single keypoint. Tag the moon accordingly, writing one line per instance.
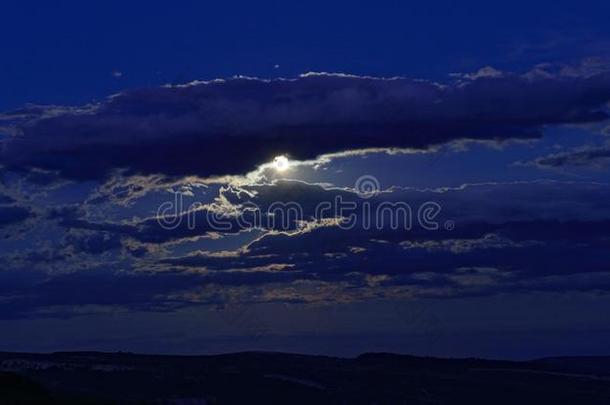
(281, 163)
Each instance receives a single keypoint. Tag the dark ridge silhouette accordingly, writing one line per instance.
(267, 377)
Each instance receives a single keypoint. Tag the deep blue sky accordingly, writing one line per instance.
(66, 51)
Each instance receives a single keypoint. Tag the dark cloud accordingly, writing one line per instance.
(11, 214)
(543, 255)
(523, 245)
(5, 199)
(35, 293)
(270, 207)
(595, 157)
(510, 236)
(230, 126)
(152, 231)
(94, 242)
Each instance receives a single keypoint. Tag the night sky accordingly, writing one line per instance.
(461, 148)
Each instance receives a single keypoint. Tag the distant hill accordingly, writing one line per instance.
(256, 377)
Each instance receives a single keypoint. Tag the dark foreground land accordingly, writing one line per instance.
(96, 378)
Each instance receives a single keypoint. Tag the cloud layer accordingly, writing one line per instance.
(506, 238)
(231, 126)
